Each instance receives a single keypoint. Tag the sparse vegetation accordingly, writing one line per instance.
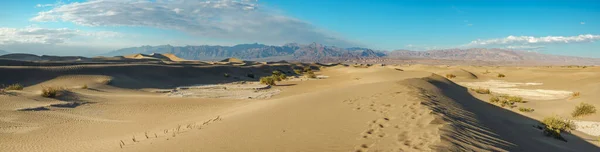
(311, 74)
(267, 80)
(50, 92)
(515, 99)
(504, 100)
(486, 72)
(583, 109)
(500, 75)
(553, 126)
(84, 86)
(522, 109)
(575, 94)
(481, 91)
(494, 99)
(226, 75)
(298, 71)
(278, 76)
(450, 76)
(14, 87)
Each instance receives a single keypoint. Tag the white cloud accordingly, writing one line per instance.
(222, 19)
(582, 23)
(36, 35)
(523, 40)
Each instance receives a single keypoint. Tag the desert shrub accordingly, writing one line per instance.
(84, 86)
(515, 99)
(250, 75)
(226, 75)
(583, 109)
(298, 71)
(482, 91)
(276, 73)
(267, 80)
(500, 75)
(575, 94)
(311, 74)
(553, 126)
(14, 87)
(526, 109)
(282, 76)
(307, 69)
(450, 76)
(494, 99)
(50, 92)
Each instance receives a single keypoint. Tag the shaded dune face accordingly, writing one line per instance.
(143, 76)
(474, 125)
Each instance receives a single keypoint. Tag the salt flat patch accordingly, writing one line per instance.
(509, 88)
(226, 91)
(588, 127)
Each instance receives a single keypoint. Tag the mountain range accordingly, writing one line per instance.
(319, 52)
(2, 52)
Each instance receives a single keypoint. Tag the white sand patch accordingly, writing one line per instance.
(227, 91)
(503, 87)
(588, 127)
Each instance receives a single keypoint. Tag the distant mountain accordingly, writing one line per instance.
(291, 51)
(319, 52)
(495, 55)
(2, 52)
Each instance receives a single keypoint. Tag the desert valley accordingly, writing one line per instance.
(160, 102)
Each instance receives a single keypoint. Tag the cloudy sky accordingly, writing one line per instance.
(80, 27)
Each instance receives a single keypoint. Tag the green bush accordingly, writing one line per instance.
(14, 87)
(583, 109)
(526, 109)
(553, 126)
(267, 80)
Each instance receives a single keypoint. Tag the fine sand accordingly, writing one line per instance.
(188, 107)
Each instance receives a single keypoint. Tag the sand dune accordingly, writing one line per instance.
(127, 107)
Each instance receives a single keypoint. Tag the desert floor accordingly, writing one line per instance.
(376, 108)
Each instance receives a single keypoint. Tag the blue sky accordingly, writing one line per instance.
(93, 27)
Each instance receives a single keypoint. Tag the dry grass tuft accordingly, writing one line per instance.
(450, 76)
(526, 109)
(50, 92)
(575, 94)
(500, 75)
(481, 91)
(14, 87)
(583, 109)
(311, 74)
(84, 86)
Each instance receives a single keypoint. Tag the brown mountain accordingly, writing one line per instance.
(319, 52)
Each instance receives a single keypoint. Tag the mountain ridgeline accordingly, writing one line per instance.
(319, 52)
(291, 51)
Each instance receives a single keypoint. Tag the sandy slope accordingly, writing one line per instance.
(354, 109)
